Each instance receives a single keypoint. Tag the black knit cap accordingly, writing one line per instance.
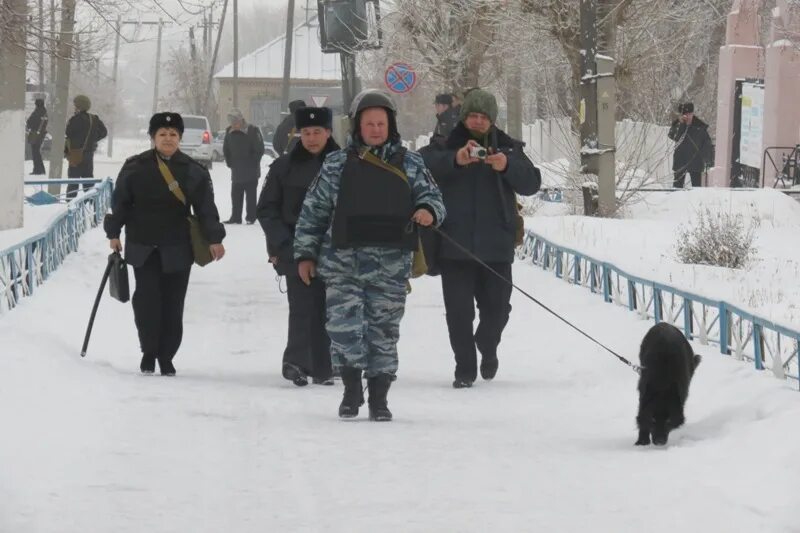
(446, 99)
(307, 117)
(686, 107)
(165, 120)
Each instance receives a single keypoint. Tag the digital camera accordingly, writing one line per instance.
(478, 152)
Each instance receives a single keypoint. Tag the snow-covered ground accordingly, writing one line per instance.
(228, 445)
(643, 244)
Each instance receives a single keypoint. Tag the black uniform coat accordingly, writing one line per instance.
(282, 199)
(243, 152)
(693, 146)
(78, 135)
(481, 203)
(153, 216)
(37, 125)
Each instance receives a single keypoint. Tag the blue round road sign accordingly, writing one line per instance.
(400, 78)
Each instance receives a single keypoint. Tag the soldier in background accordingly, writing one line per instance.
(37, 128)
(285, 135)
(446, 117)
(243, 148)
(83, 132)
(356, 230)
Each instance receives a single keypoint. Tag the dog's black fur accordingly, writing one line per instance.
(668, 363)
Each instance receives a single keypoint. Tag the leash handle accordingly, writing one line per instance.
(475, 258)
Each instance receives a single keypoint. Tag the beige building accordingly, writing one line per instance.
(315, 78)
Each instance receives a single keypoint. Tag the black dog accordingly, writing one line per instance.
(668, 363)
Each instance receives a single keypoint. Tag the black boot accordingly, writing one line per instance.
(378, 389)
(489, 368)
(295, 374)
(148, 364)
(166, 366)
(353, 392)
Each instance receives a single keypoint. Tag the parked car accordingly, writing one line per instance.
(196, 142)
(216, 146)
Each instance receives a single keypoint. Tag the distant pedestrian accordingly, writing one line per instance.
(286, 134)
(308, 351)
(243, 148)
(37, 129)
(83, 132)
(446, 117)
(693, 147)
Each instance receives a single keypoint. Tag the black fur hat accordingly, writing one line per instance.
(165, 120)
(306, 117)
(446, 99)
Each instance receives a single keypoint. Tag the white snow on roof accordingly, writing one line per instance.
(308, 61)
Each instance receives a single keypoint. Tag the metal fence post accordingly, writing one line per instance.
(687, 318)
(758, 346)
(724, 330)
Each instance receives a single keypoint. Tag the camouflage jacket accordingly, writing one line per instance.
(313, 238)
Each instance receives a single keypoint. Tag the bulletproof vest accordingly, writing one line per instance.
(374, 206)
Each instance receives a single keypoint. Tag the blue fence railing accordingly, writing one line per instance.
(739, 333)
(25, 266)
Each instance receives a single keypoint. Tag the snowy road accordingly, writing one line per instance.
(228, 445)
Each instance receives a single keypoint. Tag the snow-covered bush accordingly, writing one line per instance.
(718, 239)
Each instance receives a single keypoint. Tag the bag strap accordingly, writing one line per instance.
(369, 157)
(88, 132)
(172, 183)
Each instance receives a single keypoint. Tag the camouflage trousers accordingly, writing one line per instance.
(364, 316)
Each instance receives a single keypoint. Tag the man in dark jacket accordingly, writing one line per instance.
(157, 237)
(243, 148)
(37, 128)
(446, 117)
(480, 170)
(83, 132)
(692, 146)
(286, 134)
(308, 348)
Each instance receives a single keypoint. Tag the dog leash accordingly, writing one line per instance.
(634, 367)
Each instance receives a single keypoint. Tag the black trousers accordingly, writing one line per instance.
(239, 191)
(680, 179)
(84, 170)
(36, 155)
(465, 283)
(308, 346)
(158, 307)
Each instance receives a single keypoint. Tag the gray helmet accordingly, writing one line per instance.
(372, 98)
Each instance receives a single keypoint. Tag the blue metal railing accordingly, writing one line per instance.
(739, 333)
(25, 266)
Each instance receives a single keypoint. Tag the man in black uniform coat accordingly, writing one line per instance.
(479, 192)
(84, 131)
(37, 128)
(446, 117)
(308, 348)
(285, 135)
(157, 241)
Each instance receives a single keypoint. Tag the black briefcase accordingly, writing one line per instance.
(118, 278)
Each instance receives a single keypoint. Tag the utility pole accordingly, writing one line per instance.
(58, 114)
(112, 123)
(12, 109)
(205, 34)
(41, 47)
(194, 82)
(514, 107)
(158, 67)
(53, 32)
(214, 58)
(287, 56)
(236, 53)
(597, 111)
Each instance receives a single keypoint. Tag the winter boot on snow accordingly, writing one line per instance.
(353, 392)
(378, 389)
(295, 374)
(166, 366)
(148, 364)
(489, 368)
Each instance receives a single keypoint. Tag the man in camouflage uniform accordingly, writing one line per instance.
(356, 230)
